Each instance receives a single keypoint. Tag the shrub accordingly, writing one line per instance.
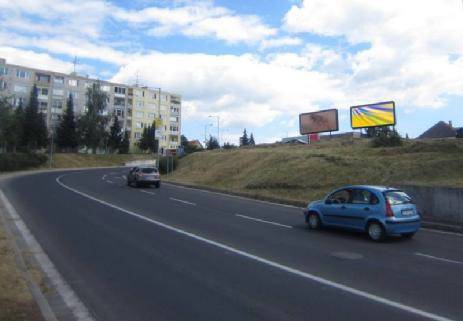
(386, 138)
(163, 165)
(19, 161)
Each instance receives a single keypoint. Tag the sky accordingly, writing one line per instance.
(256, 64)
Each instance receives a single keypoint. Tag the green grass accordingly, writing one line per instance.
(71, 160)
(300, 173)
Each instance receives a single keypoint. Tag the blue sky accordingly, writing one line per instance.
(256, 64)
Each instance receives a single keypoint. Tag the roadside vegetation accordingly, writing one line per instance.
(300, 173)
(16, 302)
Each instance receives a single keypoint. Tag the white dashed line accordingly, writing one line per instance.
(104, 177)
(263, 221)
(110, 182)
(274, 264)
(146, 192)
(438, 258)
(182, 201)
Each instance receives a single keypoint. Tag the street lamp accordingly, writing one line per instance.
(218, 127)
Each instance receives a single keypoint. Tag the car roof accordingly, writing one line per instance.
(376, 188)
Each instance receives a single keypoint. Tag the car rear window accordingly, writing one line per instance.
(397, 197)
(149, 170)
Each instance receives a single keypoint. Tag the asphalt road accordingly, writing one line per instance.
(182, 254)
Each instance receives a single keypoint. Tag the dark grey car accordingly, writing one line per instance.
(144, 176)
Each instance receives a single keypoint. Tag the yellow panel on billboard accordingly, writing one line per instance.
(373, 115)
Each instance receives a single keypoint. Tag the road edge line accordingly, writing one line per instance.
(317, 279)
(72, 301)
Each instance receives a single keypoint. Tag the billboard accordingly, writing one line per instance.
(373, 115)
(319, 122)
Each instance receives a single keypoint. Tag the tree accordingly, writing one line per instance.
(125, 144)
(5, 122)
(34, 128)
(244, 140)
(386, 137)
(91, 126)
(212, 143)
(147, 141)
(115, 135)
(251, 140)
(227, 145)
(66, 132)
(188, 148)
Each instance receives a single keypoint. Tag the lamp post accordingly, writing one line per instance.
(218, 127)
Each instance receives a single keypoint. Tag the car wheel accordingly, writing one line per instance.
(137, 184)
(313, 220)
(376, 231)
(408, 235)
(157, 185)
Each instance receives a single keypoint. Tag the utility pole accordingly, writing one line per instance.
(50, 164)
(75, 63)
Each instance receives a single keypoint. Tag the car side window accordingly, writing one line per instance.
(341, 197)
(362, 196)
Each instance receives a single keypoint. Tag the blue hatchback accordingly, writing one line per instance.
(377, 210)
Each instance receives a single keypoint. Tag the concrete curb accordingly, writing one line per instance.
(427, 224)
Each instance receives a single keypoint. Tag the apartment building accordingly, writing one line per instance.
(135, 106)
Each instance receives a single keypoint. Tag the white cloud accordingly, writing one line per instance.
(279, 42)
(32, 59)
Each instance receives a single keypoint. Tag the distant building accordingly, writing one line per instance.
(341, 135)
(304, 139)
(195, 144)
(136, 107)
(440, 130)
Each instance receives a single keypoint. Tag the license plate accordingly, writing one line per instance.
(407, 212)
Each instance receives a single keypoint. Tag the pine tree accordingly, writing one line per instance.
(115, 135)
(251, 140)
(147, 141)
(34, 129)
(91, 126)
(244, 140)
(125, 144)
(66, 132)
(212, 143)
(5, 122)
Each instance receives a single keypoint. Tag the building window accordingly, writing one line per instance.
(105, 88)
(119, 90)
(24, 74)
(3, 70)
(57, 104)
(74, 94)
(3, 85)
(137, 135)
(58, 80)
(140, 104)
(173, 128)
(119, 112)
(151, 115)
(43, 106)
(138, 125)
(42, 91)
(43, 78)
(119, 101)
(139, 114)
(20, 89)
(73, 82)
(58, 92)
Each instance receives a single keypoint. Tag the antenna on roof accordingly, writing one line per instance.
(136, 77)
(75, 62)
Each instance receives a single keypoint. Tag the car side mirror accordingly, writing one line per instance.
(328, 202)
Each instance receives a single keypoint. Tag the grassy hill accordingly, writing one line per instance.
(300, 173)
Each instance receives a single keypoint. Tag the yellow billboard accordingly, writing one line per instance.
(373, 115)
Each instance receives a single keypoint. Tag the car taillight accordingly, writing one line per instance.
(389, 212)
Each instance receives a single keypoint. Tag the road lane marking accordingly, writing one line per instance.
(182, 201)
(110, 182)
(320, 280)
(124, 177)
(262, 221)
(146, 192)
(438, 258)
(441, 232)
(104, 177)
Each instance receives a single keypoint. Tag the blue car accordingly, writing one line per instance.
(379, 211)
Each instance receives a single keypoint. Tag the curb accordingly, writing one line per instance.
(278, 201)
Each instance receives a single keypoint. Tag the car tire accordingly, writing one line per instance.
(408, 235)
(157, 185)
(313, 221)
(376, 231)
(137, 184)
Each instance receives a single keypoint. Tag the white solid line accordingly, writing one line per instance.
(111, 182)
(441, 232)
(124, 177)
(146, 192)
(182, 201)
(65, 291)
(263, 221)
(438, 258)
(104, 177)
(262, 260)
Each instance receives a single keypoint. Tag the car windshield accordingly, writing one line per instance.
(397, 197)
(149, 170)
